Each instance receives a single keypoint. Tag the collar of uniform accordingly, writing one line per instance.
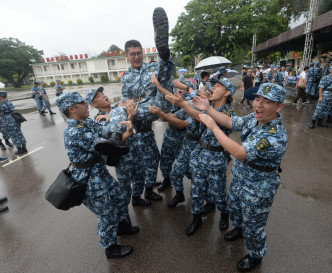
(78, 123)
(142, 68)
(226, 106)
(272, 122)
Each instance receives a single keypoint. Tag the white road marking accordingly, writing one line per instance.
(20, 157)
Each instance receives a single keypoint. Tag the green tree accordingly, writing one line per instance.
(111, 48)
(186, 61)
(15, 60)
(104, 78)
(214, 27)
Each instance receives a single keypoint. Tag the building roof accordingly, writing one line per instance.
(294, 39)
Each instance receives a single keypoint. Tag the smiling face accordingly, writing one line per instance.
(101, 101)
(135, 57)
(218, 92)
(266, 110)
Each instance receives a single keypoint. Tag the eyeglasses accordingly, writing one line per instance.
(134, 54)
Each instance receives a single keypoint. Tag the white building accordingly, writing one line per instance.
(84, 68)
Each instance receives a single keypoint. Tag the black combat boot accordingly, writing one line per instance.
(178, 198)
(195, 224)
(118, 251)
(224, 221)
(247, 263)
(8, 143)
(208, 207)
(44, 112)
(320, 123)
(138, 201)
(24, 149)
(234, 234)
(126, 228)
(2, 147)
(313, 124)
(329, 119)
(151, 195)
(52, 113)
(112, 145)
(41, 113)
(19, 151)
(160, 25)
(165, 184)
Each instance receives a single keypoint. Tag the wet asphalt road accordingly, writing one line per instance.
(35, 237)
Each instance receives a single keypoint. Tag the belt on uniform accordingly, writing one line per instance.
(88, 164)
(144, 130)
(190, 137)
(177, 129)
(328, 89)
(261, 168)
(210, 147)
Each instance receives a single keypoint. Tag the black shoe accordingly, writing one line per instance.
(224, 221)
(24, 149)
(151, 195)
(178, 198)
(8, 143)
(3, 200)
(160, 25)
(195, 224)
(118, 251)
(112, 145)
(313, 124)
(52, 113)
(138, 201)
(321, 124)
(247, 263)
(42, 114)
(3, 208)
(165, 184)
(234, 234)
(19, 151)
(126, 228)
(208, 207)
(3, 147)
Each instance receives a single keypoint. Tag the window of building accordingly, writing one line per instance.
(79, 65)
(62, 67)
(113, 62)
(58, 67)
(41, 68)
(72, 66)
(95, 76)
(45, 68)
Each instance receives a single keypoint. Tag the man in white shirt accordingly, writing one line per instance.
(285, 74)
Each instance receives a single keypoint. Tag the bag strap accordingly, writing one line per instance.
(89, 173)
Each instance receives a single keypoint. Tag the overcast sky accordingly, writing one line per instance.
(82, 26)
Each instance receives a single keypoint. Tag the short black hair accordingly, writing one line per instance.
(306, 67)
(66, 112)
(132, 43)
(244, 68)
(204, 73)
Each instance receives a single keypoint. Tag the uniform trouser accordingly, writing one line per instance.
(104, 202)
(125, 170)
(46, 103)
(39, 102)
(5, 135)
(312, 88)
(324, 107)
(147, 162)
(13, 129)
(208, 182)
(170, 149)
(250, 213)
(300, 94)
(181, 164)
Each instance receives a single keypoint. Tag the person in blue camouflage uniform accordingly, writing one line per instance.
(103, 193)
(209, 160)
(58, 87)
(324, 105)
(9, 125)
(125, 166)
(6, 137)
(314, 76)
(278, 76)
(46, 100)
(269, 75)
(35, 90)
(256, 179)
(172, 141)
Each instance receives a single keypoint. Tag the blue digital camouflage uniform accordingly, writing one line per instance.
(170, 148)
(103, 195)
(4, 133)
(251, 191)
(278, 77)
(208, 169)
(46, 100)
(324, 107)
(58, 89)
(181, 164)
(137, 83)
(270, 74)
(9, 127)
(314, 76)
(39, 102)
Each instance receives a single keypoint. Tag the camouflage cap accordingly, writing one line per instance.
(317, 63)
(225, 82)
(277, 66)
(188, 83)
(3, 94)
(272, 91)
(91, 94)
(311, 64)
(222, 70)
(68, 99)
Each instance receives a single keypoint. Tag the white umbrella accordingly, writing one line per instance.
(231, 73)
(266, 71)
(211, 62)
(2, 85)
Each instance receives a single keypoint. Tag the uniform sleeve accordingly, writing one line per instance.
(10, 105)
(126, 95)
(238, 122)
(118, 114)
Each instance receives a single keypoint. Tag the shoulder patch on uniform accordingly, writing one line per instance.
(228, 112)
(152, 69)
(80, 125)
(251, 138)
(273, 129)
(262, 145)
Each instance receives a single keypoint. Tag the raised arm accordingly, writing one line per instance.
(204, 105)
(170, 118)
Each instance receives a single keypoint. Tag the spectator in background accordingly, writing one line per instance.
(247, 82)
(301, 89)
(205, 77)
(257, 77)
(244, 71)
(285, 74)
(181, 78)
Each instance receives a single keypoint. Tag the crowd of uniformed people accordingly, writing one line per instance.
(196, 144)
